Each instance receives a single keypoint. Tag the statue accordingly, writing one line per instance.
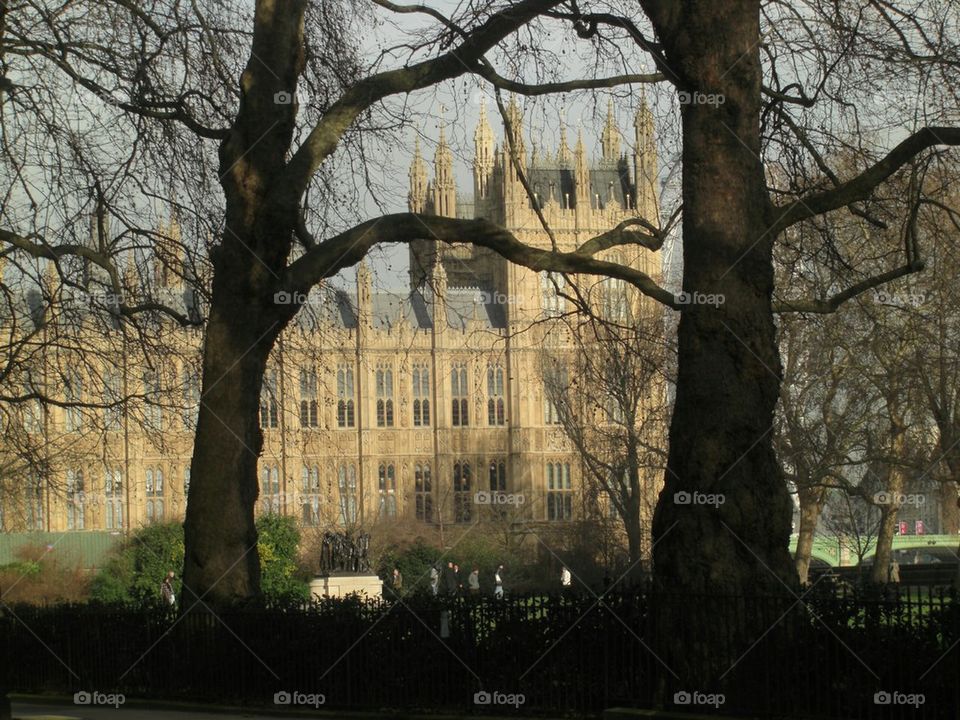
(342, 552)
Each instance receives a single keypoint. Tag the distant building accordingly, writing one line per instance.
(374, 404)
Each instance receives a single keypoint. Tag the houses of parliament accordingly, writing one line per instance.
(375, 404)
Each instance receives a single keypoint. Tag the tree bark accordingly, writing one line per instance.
(222, 565)
(729, 369)
(811, 503)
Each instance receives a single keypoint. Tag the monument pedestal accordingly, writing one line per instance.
(341, 585)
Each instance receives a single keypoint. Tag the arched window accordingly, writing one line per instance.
(345, 397)
(112, 395)
(556, 385)
(76, 511)
(270, 490)
(387, 486)
(421, 395)
(550, 286)
(347, 485)
(384, 383)
(459, 393)
(113, 494)
(308, 398)
(559, 492)
(498, 475)
(462, 492)
(153, 413)
(269, 405)
(423, 492)
(154, 492)
(496, 414)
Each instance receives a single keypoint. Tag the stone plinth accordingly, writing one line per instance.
(346, 584)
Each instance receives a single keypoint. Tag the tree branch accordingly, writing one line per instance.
(860, 187)
(349, 247)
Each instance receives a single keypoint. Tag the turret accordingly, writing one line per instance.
(168, 259)
(610, 138)
(444, 186)
(645, 163)
(514, 139)
(483, 156)
(417, 197)
(364, 294)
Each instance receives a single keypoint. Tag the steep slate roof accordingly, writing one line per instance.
(339, 308)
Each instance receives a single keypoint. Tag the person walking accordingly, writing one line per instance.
(894, 572)
(473, 582)
(449, 580)
(434, 580)
(459, 580)
(166, 590)
(566, 580)
(498, 583)
(397, 582)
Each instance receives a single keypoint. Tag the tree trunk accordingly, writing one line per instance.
(879, 573)
(221, 565)
(896, 481)
(949, 506)
(811, 503)
(731, 535)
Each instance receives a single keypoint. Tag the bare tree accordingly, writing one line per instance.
(756, 83)
(608, 393)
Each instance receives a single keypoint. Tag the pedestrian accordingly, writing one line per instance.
(459, 580)
(498, 583)
(166, 590)
(894, 572)
(473, 581)
(397, 581)
(566, 580)
(449, 579)
(434, 580)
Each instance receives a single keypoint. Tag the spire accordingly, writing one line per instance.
(417, 197)
(483, 155)
(444, 186)
(610, 138)
(564, 158)
(581, 173)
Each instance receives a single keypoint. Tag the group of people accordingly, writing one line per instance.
(450, 581)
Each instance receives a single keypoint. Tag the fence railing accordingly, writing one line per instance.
(832, 653)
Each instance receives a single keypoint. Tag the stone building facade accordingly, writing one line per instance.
(375, 404)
